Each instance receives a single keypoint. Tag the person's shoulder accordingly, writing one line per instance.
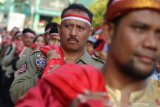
(37, 55)
(73, 73)
(98, 63)
(35, 52)
(75, 69)
(98, 60)
(39, 59)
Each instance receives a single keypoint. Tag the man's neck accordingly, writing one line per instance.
(72, 56)
(118, 81)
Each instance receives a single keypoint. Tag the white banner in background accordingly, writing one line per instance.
(16, 20)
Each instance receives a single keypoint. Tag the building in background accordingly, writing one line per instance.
(32, 13)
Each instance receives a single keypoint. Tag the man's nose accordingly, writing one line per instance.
(73, 31)
(150, 41)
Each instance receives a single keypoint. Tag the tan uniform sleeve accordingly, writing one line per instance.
(22, 60)
(25, 78)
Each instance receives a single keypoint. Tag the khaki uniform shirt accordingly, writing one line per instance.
(27, 76)
(143, 98)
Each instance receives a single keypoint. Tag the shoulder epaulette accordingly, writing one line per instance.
(97, 59)
(35, 51)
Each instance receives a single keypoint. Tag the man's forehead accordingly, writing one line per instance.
(145, 15)
(150, 18)
(74, 22)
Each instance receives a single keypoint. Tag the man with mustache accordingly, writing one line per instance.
(133, 54)
(75, 28)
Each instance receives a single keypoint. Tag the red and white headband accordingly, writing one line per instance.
(54, 34)
(98, 30)
(76, 17)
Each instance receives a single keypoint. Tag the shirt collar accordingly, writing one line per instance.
(85, 58)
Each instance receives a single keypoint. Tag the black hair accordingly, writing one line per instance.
(15, 28)
(28, 30)
(16, 33)
(52, 26)
(77, 6)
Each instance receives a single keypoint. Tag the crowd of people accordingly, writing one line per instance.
(74, 65)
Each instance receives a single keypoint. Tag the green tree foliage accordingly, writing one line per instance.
(98, 8)
(57, 19)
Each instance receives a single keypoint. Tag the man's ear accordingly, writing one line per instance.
(108, 27)
(91, 30)
(107, 30)
(59, 27)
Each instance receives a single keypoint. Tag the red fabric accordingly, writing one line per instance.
(33, 46)
(45, 49)
(52, 62)
(62, 86)
(78, 16)
(100, 46)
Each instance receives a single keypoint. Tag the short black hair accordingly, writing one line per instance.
(52, 27)
(17, 33)
(77, 6)
(28, 30)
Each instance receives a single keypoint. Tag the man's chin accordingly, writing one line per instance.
(136, 74)
(72, 49)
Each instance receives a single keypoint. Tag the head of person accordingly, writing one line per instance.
(76, 21)
(18, 35)
(14, 30)
(135, 31)
(7, 40)
(4, 31)
(90, 45)
(50, 27)
(28, 36)
(39, 40)
(53, 35)
(158, 67)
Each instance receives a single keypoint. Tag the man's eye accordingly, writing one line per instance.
(158, 35)
(139, 28)
(66, 26)
(80, 28)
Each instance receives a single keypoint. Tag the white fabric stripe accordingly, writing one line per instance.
(54, 34)
(98, 31)
(76, 18)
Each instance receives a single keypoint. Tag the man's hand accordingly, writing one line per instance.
(89, 99)
(52, 54)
